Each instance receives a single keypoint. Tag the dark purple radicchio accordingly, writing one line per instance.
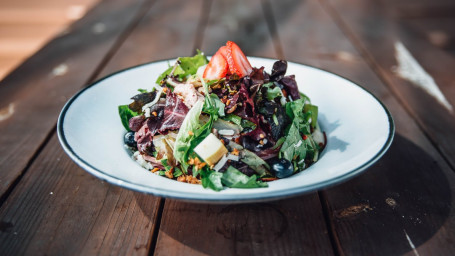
(154, 122)
(136, 122)
(174, 113)
(288, 82)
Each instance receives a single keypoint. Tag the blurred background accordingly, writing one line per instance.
(27, 25)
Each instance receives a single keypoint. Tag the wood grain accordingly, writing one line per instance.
(96, 217)
(59, 209)
(286, 227)
(378, 44)
(376, 213)
(32, 96)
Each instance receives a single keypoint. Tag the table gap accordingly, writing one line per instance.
(369, 59)
(146, 6)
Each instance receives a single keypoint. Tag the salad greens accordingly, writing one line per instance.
(125, 115)
(185, 66)
(233, 131)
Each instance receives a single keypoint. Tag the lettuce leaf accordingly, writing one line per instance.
(211, 179)
(126, 114)
(233, 178)
(187, 66)
(182, 142)
(294, 147)
(214, 106)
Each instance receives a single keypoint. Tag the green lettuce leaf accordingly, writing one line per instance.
(182, 141)
(188, 66)
(211, 179)
(308, 108)
(272, 93)
(214, 106)
(234, 119)
(233, 178)
(125, 114)
(293, 146)
(255, 162)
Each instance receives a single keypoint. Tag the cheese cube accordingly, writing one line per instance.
(211, 150)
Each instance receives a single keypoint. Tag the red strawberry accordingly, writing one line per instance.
(223, 51)
(238, 63)
(217, 67)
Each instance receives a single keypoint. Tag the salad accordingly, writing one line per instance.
(223, 123)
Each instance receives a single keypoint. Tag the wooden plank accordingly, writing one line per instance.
(32, 96)
(438, 31)
(168, 31)
(405, 198)
(59, 209)
(416, 72)
(287, 227)
(84, 215)
(412, 9)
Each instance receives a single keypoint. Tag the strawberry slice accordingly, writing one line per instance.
(223, 51)
(237, 61)
(217, 67)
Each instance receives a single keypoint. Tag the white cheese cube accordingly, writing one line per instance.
(211, 150)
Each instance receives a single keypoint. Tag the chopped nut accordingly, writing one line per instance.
(155, 170)
(193, 180)
(181, 178)
(170, 173)
(261, 135)
(232, 109)
(154, 113)
(235, 152)
(228, 102)
(165, 89)
(191, 161)
(190, 133)
(201, 165)
(261, 142)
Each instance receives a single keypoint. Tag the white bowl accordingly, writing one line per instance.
(359, 130)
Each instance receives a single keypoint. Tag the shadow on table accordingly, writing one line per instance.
(403, 199)
(399, 203)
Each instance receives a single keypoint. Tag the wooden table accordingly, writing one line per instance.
(401, 205)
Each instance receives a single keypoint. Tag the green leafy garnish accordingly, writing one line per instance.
(308, 108)
(272, 91)
(248, 124)
(255, 162)
(187, 66)
(295, 147)
(233, 178)
(211, 179)
(234, 119)
(182, 142)
(214, 106)
(125, 115)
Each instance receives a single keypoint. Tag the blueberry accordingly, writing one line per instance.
(129, 139)
(281, 167)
